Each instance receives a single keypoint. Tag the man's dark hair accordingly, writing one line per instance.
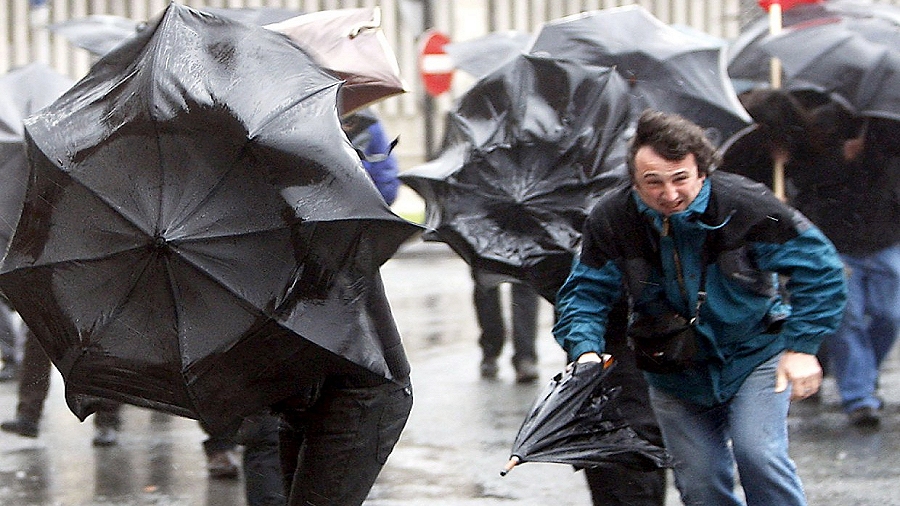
(673, 138)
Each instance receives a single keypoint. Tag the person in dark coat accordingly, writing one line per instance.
(843, 172)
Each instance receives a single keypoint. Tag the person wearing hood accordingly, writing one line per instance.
(702, 251)
(367, 135)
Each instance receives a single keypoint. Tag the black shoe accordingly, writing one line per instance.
(864, 418)
(20, 426)
(526, 371)
(9, 371)
(489, 368)
(223, 465)
(105, 436)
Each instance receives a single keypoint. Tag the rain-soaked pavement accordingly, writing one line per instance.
(454, 446)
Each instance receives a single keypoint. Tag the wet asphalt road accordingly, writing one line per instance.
(454, 446)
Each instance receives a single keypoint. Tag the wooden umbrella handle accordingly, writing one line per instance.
(513, 462)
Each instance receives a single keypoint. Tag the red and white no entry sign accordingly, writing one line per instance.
(435, 65)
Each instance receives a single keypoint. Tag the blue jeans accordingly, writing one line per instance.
(754, 421)
(869, 328)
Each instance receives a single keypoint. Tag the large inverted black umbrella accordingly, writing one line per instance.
(747, 61)
(527, 150)
(669, 69)
(575, 421)
(827, 57)
(198, 235)
(347, 42)
(23, 92)
(351, 44)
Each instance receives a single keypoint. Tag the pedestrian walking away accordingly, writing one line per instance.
(699, 253)
(523, 303)
(864, 230)
(842, 172)
(34, 385)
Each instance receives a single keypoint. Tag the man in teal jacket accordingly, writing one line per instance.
(681, 229)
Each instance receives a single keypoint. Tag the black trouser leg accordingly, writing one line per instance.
(616, 484)
(347, 436)
(34, 380)
(490, 319)
(263, 480)
(524, 321)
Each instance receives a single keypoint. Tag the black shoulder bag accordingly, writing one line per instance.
(666, 343)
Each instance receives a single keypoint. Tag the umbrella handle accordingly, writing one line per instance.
(513, 462)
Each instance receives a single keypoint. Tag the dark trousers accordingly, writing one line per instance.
(616, 484)
(262, 469)
(263, 481)
(34, 384)
(489, 311)
(7, 337)
(334, 447)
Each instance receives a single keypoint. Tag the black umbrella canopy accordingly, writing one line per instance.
(669, 69)
(527, 150)
(827, 57)
(575, 421)
(23, 92)
(879, 23)
(198, 235)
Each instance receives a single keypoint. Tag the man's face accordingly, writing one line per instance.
(666, 186)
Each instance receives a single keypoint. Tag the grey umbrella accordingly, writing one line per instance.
(23, 92)
(668, 69)
(832, 58)
(749, 62)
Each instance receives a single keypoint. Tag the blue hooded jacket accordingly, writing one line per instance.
(744, 237)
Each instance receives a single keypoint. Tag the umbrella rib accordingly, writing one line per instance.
(275, 113)
(109, 203)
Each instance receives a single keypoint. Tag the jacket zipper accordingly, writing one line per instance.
(679, 275)
(666, 232)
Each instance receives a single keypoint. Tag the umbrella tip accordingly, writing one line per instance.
(513, 462)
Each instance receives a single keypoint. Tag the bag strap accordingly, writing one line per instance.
(701, 292)
(704, 262)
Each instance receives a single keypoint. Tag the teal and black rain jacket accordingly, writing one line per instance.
(747, 240)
